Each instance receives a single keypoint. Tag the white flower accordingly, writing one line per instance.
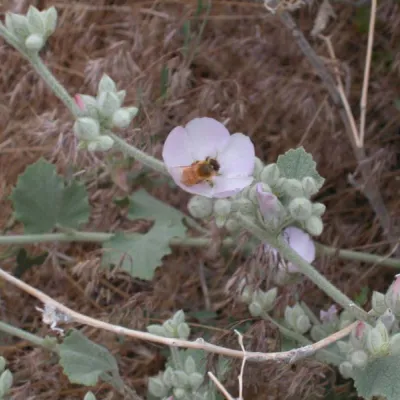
(227, 160)
(300, 242)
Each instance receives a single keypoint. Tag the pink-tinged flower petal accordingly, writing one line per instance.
(329, 315)
(396, 285)
(238, 157)
(177, 149)
(360, 329)
(208, 137)
(266, 200)
(79, 102)
(300, 242)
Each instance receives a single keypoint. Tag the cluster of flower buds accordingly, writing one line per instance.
(259, 302)
(6, 378)
(176, 327)
(33, 29)
(98, 115)
(296, 319)
(181, 383)
(369, 342)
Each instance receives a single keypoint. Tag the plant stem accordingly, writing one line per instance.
(24, 335)
(304, 267)
(139, 155)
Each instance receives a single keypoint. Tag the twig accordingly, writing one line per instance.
(240, 377)
(370, 189)
(364, 96)
(220, 386)
(198, 344)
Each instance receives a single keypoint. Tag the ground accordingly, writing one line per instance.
(244, 69)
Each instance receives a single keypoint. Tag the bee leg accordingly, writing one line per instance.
(210, 182)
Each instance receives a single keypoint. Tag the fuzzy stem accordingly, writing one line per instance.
(24, 335)
(139, 155)
(304, 267)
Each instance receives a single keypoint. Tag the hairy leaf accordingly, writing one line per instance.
(140, 254)
(42, 201)
(380, 377)
(84, 361)
(297, 164)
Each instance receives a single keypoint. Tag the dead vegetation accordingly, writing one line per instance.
(245, 70)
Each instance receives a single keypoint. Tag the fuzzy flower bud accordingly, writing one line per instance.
(86, 128)
(346, 369)
(258, 167)
(359, 358)
(270, 174)
(309, 186)
(102, 143)
(108, 103)
(106, 84)
(222, 207)
(300, 209)
(200, 207)
(314, 225)
(377, 340)
(293, 188)
(232, 225)
(17, 25)
(6, 381)
(157, 387)
(34, 42)
(392, 297)
(395, 344)
(378, 302)
(318, 209)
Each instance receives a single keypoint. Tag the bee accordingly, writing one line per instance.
(200, 171)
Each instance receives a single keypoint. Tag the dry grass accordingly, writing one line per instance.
(248, 72)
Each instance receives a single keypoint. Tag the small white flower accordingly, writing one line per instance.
(228, 159)
(300, 242)
(51, 316)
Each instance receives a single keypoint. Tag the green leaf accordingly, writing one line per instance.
(25, 262)
(42, 201)
(363, 296)
(140, 254)
(297, 164)
(381, 377)
(84, 361)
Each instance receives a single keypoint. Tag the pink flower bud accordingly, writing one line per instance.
(79, 102)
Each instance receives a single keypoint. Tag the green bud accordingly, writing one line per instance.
(314, 225)
(102, 143)
(303, 324)
(156, 330)
(133, 111)
(50, 21)
(247, 294)
(190, 365)
(181, 379)
(309, 186)
(255, 309)
(270, 174)
(388, 319)
(200, 207)
(318, 209)
(2, 364)
(377, 340)
(121, 95)
(245, 206)
(86, 128)
(258, 167)
(180, 393)
(300, 209)
(178, 318)
(90, 396)
(378, 302)
(17, 25)
(268, 299)
(220, 221)
(232, 225)
(168, 376)
(196, 380)
(183, 331)
(392, 297)
(169, 328)
(6, 381)
(121, 118)
(35, 21)
(344, 347)
(157, 387)
(106, 84)
(294, 188)
(318, 333)
(90, 106)
(395, 344)
(222, 207)
(359, 358)
(346, 369)
(34, 42)
(108, 103)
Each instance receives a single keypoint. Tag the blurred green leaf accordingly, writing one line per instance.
(362, 297)
(42, 200)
